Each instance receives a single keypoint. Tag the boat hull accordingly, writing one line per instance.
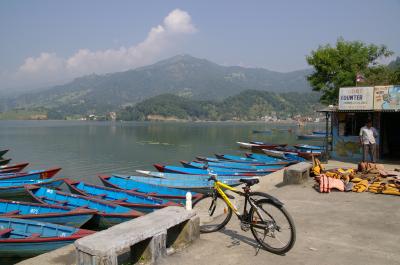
(19, 192)
(13, 168)
(30, 249)
(176, 195)
(34, 175)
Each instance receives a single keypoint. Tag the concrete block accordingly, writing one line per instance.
(144, 239)
(296, 174)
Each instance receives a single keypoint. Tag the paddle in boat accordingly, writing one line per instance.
(177, 195)
(20, 238)
(134, 200)
(108, 213)
(13, 168)
(46, 213)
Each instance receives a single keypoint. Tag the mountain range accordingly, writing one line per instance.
(181, 75)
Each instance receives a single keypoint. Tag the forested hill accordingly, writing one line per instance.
(183, 75)
(248, 105)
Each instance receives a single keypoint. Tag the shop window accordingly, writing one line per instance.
(351, 123)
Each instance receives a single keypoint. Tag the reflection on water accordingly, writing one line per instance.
(87, 149)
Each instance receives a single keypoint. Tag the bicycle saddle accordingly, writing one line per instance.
(250, 182)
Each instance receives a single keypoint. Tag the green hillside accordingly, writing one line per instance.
(248, 105)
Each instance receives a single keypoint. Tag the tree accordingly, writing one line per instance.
(338, 66)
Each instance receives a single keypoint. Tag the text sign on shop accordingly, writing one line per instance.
(356, 98)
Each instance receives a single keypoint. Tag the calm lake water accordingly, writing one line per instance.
(87, 149)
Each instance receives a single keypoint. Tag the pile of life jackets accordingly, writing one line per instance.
(367, 177)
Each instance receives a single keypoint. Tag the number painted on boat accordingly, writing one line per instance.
(49, 191)
(34, 211)
(63, 234)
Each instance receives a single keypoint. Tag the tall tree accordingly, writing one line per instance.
(338, 66)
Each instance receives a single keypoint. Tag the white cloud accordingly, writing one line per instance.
(48, 68)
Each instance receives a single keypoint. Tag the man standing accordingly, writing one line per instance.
(368, 136)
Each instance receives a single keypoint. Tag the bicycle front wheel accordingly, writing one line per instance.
(272, 226)
(214, 213)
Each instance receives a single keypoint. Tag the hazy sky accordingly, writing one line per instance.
(47, 42)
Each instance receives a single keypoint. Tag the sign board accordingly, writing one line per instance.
(387, 98)
(356, 98)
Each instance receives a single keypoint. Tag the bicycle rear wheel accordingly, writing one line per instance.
(272, 226)
(214, 213)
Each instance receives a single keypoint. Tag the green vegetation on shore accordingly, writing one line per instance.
(247, 105)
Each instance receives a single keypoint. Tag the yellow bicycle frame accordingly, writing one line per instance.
(218, 186)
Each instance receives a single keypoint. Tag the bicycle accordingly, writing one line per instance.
(215, 211)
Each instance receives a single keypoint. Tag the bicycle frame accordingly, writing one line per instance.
(218, 186)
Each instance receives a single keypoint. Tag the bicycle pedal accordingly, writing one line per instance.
(245, 227)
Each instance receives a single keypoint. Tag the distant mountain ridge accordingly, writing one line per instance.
(182, 75)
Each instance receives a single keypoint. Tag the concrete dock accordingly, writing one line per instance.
(335, 228)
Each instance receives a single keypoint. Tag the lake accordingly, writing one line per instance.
(86, 149)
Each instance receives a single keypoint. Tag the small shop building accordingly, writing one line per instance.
(381, 104)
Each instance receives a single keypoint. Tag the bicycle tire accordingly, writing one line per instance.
(203, 213)
(267, 199)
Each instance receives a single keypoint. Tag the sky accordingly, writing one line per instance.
(43, 43)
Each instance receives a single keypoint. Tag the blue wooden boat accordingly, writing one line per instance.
(30, 175)
(185, 184)
(247, 163)
(27, 238)
(319, 132)
(311, 137)
(3, 152)
(229, 166)
(289, 157)
(247, 159)
(4, 161)
(15, 189)
(134, 200)
(148, 189)
(309, 147)
(187, 176)
(108, 213)
(12, 168)
(196, 171)
(46, 213)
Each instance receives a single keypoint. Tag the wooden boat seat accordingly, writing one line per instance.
(5, 232)
(101, 195)
(121, 200)
(134, 189)
(12, 212)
